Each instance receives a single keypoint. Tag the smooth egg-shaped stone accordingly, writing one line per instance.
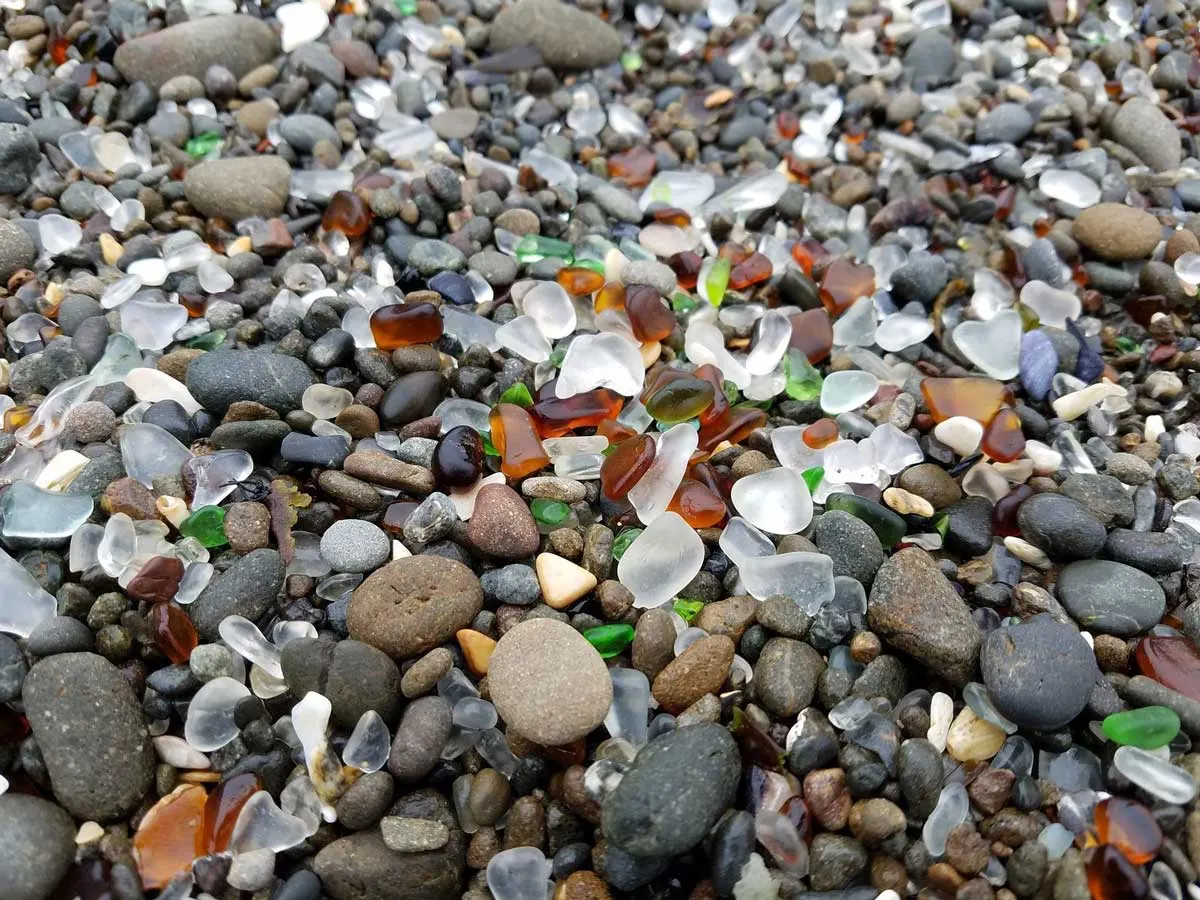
(458, 457)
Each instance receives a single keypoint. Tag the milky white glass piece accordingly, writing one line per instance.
(844, 391)
(774, 500)
(600, 360)
(661, 561)
(210, 723)
(654, 490)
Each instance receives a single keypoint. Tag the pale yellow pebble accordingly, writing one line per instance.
(1018, 471)
(172, 509)
(562, 581)
(110, 249)
(89, 833)
(1026, 552)
(972, 738)
(651, 351)
(477, 649)
(54, 293)
(907, 503)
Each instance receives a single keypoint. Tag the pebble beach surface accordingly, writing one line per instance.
(666, 450)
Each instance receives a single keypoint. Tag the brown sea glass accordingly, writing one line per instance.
(610, 296)
(820, 433)
(221, 812)
(686, 266)
(165, 842)
(1110, 876)
(174, 634)
(1171, 661)
(976, 398)
(634, 166)
(625, 466)
(843, 283)
(1003, 439)
(720, 403)
(809, 254)
(1004, 513)
(555, 417)
(396, 515)
(515, 436)
(754, 269)
(812, 334)
(650, 317)
(1130, 827)
(698, 504)
(347, 213)
(157, 581)
(681, 399)
(735, 427)
(578, 280)
(404, 324)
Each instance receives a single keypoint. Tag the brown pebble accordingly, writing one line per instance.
(422, 676)
(576, 796)
(991, 790)
(979, 889)
(125, 495)
(248, 411)
(1112, 653)
(567, 543)
(502, 525)
(526, 824)
(873, 821)
(485, 843)
(616, 600)
(379, 468)
(943, 877)
(1181, 242)
(247, 526)
(358, 421)
(827, 798)
(966, 850)
(888, 874)
(653, 641)
(701, 669)
(349, 490)
(729, 617)
(489, 796)
(176, 362)
(865, 647)
(583, 886)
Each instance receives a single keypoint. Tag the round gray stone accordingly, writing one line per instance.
(247, 588)
(420, 737)
(19, 155)
(1062, 527)
(16, 249)
(1039, 673)
(239, 43)
(222, 377)
(352, 545)
(677, 788)
(37, 845)
(1142, 127)
(88, 726)
(1110, 597)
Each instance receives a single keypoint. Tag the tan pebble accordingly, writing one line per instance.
(89, 833)
(562, 581)
(907, 503)
(972, 738)
(1026, 552)
(477, 648)
(650, 351)
(241, 245)
(172, 509)
(110, 249)
(718, 97)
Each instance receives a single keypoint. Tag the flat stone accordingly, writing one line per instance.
(223, 377)
(548, 683)
(413, 835)
(354, 676)
(1142, 127)
(785, 676)
(239, 187)
(89, 729)
(914, 608)
(1063, 527)
(247, 588)
(1110, 597)
(37, 845)
(1039, 673)
(239, 43)
(566, 37)
(700, 669)
(411, 605)
(675, 791)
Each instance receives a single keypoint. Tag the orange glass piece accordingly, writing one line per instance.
(347, 213)
(698, 504)
(1110, 876)
(673, 215)
(405, 324)
(174, 634)
(720, 405)
(516, 437)
(808, 254)
(396, 515)
(17, 416)
(165, 843)
(610, 296)
(1003, 439)
(634, 166)
(556, 417)
(625, 466)
(1171, 661)
(1129, 827)
(845, 282)
(650, 317)
(787, 123)
(686, 266)
(578, 280)
(755, 269)
(221, 812)
(812, 334)
(195, 304)
(736, 427)
(708, 476)
(976, 398)
(157, 581)
(614, 431)
(820, 433)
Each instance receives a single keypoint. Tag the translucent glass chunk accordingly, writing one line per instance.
(600, 360)
(522, 873)
(32, 513)
(805, 577)
(369, 743)
(628, 717)
(844, 391)
(24, 604)
(1155, 775)
(952, 809)
(210, 723)
(661, 561)
(774, 500)
(217, 475)
(654, 490)
(149, 451)
(263, 825)
(244, 638)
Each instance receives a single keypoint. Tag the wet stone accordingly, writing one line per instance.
(1110, 597)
